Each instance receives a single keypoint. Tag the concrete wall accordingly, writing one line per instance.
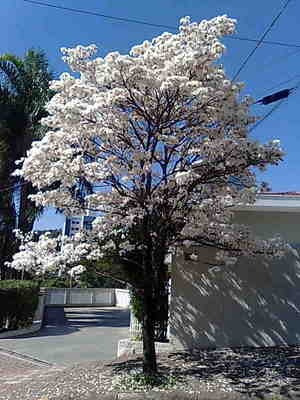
(267, 224)
(254, 303)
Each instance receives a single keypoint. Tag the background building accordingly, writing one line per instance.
(74, 224)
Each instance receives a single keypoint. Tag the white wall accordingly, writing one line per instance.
(254, 303)
(122, 298)
(88, 297)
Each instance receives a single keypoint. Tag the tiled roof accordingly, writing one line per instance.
(279, 193)
(275, 201)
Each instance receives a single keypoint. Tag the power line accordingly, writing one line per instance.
(13, 187)
(112, 17)
(275, 19)
(282, 83)
(271, 42)
(140, 22)
(121, 19)
(136, 21)
(273, 109)
(277, 60)
(277, 85)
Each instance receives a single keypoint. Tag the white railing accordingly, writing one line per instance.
(87, 297)
(135, 328)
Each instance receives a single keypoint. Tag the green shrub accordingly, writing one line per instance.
(54, 283)
(160, 313)
(136, 304)
(18, 302)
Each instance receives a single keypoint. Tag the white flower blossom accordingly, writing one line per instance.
(162, 135)
(48, 254)
(77, 270)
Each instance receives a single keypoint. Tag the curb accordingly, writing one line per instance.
(132, 347)
(182, 395)
(26, 357)
(171, 395)
(35, 327)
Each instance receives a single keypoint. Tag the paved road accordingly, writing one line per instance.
(86, 334)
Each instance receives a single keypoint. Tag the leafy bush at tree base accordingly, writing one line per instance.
(18, 302)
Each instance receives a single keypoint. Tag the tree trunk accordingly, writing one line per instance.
(7, 225)
(5, 253)
(27, 209)
(149, 355)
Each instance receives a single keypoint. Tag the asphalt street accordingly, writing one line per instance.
(82, 334)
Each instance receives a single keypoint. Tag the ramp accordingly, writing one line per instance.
(54, 316)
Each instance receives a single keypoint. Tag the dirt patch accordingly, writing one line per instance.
(11, 365)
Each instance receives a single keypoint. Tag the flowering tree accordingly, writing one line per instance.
(162, 136)
(75, 272)
(49, 254)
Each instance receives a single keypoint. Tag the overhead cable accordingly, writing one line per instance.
(13, 187)
(277, 60)
(277, 105)
(282, 83)
(140, 22)
(275, 19)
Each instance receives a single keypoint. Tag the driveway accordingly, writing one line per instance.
(84, 334)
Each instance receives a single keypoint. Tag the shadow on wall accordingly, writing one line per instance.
(253, 303)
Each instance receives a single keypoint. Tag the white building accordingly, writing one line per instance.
(255, 302)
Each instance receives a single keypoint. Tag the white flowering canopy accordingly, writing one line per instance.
(77, 270)
(49, 254)
(161, 133)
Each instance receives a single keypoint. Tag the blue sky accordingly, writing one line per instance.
(25, 25)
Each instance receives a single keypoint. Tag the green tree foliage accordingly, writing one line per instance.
(103, 274)
(24, 91)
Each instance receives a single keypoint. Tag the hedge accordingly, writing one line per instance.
(18, 302)
(54, 283)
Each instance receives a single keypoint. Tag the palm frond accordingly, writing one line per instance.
(24, 91)
(12, 73)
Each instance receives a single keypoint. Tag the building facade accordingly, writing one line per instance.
(74, 224)
(255, 302)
